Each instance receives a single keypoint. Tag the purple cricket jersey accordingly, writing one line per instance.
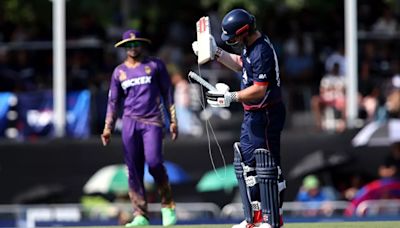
(142, 88)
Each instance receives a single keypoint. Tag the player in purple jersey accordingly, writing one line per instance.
(143, 86)
(257, 156)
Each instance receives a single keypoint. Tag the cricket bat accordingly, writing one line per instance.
(203, 40)
(201, 81)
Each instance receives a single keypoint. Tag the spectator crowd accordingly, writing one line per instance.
(312, 58)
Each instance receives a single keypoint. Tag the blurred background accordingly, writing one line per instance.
(334, 167)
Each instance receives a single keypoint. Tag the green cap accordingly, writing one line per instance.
(310, 182)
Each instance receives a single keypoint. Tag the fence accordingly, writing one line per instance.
(377, 207)
(327, 209)
(30, 216)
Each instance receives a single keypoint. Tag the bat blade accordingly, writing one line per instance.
(203, 40)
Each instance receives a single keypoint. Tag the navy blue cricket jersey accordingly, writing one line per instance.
(260, 66)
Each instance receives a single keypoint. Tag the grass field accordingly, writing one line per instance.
(292, 225)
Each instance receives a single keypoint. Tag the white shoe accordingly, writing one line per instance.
(264, 225)
(243, 224)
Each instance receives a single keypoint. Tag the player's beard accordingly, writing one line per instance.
(134, 54)
(237, 48)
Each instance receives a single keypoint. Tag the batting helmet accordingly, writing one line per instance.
(235, 23)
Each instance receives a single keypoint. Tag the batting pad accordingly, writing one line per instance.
(267, 175)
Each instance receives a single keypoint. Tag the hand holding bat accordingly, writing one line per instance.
(221, 97)
(214, 47)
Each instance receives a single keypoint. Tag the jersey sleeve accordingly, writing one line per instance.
(114, 95)
(263, 67)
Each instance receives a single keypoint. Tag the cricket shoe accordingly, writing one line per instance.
(264, 225)
(267, 225)
(139, 220)
(257, 219)
(168, 216)
(244, 224)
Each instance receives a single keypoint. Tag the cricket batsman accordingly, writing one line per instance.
(257, 156)
(141, 83)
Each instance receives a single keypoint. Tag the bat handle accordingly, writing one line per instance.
(202, 81)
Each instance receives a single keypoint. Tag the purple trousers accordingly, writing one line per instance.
(142, 144)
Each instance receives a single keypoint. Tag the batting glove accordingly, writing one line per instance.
(221, 98)
(214, 47)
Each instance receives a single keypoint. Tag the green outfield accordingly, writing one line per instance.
(293, 225)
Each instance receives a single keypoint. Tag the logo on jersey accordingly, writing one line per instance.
(262, 76)
(248, 60)
(244, 76)
(122, 76)
(147, 69)
(136, 81)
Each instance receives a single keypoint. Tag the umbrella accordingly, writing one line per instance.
(223, 178)
(114, 178)
(318, 161)
(386, 188)
(378, 134)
